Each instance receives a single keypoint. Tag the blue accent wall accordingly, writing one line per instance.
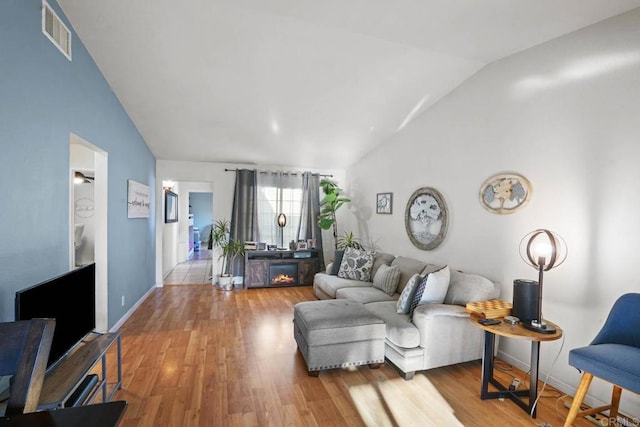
(202, 209)
(44, 98)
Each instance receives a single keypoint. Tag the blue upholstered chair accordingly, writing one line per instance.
(613, 356)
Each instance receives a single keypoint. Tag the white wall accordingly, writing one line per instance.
(222, 186)
(84, 213)
(170, 235)
(565, 115)
(82, 159)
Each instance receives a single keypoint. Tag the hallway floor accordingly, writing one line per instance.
(196, 270)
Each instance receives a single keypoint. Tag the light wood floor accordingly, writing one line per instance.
(197, 356)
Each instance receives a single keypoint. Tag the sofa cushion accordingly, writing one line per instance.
(380, 259)
(336, 321)
(400, 330)
(365, 294)
(356, 265)
(466, 287)
(430, 268)
(335, 267)
(330, 284)
(408, 267)
(431, 289)
(404, 302)
(386, 279)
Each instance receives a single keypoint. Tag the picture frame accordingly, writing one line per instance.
(170, 206)
(384, 203)
(505, 193)
(426, 218)
(138, 200)
(301, 246)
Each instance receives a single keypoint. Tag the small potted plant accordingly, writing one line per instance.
(349, 240)
(231, 250)
(218, 238)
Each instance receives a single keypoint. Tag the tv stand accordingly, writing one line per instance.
(258, 266)
(68, 378)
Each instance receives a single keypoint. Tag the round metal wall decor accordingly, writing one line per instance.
(505, 193)
(426, 218)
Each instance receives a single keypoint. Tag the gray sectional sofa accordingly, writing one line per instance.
(436, 334)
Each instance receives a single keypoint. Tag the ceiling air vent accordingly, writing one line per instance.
(55, 30)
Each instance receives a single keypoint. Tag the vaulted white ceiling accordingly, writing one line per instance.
(302, 83)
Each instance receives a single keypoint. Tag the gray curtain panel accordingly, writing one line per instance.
(310, 210)
(244, 216)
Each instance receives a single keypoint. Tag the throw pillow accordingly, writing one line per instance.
(386, 279)
(432, 288)
(335, 267)
(380, 258)
(356, 265)
(404, 302)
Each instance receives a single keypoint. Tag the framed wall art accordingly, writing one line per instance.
(505, 193)
(426, 218)
(384, 203)
(138, 200)
(170, 206)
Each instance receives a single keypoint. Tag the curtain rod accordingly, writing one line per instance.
(292, 173)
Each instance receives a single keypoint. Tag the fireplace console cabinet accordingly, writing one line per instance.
(280, 268)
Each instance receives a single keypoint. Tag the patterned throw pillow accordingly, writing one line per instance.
(386, 278)
(431, 289)
(356, 265)
(404, 302)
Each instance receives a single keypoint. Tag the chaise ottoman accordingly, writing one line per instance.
(336, 334)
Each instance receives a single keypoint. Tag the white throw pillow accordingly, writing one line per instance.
(404, 302)
(437, 286)
(387, 278)
(432, 288)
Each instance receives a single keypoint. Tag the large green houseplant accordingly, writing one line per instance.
(228, 251)
(333, 200)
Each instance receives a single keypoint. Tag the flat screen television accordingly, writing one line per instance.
(70, 299)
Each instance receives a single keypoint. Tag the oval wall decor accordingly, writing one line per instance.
(426, 218)
(505, 193)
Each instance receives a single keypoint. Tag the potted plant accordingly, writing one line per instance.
(218, 238)
(231, 250)
(329, 206)
(349, 240)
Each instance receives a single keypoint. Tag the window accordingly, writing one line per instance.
(274, 199)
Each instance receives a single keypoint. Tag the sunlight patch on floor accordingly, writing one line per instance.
(398, 402)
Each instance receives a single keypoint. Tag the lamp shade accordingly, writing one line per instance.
(543, 249)
(282, 220)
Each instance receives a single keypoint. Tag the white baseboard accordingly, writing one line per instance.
(133, 308)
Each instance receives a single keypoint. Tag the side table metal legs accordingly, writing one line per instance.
(504, 392)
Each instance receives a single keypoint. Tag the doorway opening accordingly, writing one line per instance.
(186, 257)
(88, 166)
